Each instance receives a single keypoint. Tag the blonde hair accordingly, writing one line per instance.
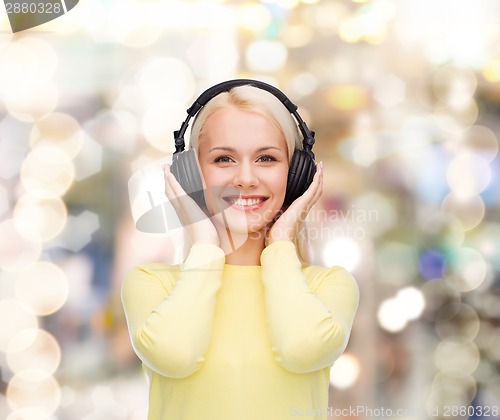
(259, 101)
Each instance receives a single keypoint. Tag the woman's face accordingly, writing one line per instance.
(244, 162)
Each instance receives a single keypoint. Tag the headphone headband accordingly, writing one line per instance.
(215, 90)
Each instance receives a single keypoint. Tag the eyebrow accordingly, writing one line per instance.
(231, 149)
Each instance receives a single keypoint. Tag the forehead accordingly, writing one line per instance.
(240, 129)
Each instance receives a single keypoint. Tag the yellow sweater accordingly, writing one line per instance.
(232, 342)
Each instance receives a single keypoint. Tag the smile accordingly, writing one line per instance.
(249, 203)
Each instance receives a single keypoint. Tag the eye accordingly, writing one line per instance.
(222, 159)
(267, 158)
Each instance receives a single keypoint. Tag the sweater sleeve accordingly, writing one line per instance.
(309, 324)
(170, 309)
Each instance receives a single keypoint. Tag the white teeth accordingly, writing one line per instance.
(245, 201)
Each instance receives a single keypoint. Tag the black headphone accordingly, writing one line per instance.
(184, 163)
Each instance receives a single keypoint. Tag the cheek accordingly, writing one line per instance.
(280, 182)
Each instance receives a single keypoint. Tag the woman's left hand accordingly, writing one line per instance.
(286, 227)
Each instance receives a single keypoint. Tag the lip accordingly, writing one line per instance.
(229, 198)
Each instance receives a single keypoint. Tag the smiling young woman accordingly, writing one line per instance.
(246, 331)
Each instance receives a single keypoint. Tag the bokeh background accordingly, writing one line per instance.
(404, 96)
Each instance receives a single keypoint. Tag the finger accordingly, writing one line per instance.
(319, 189)
(311, 196)
(186, 208)
(169, 191)
(172, 182)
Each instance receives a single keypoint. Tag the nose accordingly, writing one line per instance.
(245, 176)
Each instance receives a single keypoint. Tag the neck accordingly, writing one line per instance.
(242, 249)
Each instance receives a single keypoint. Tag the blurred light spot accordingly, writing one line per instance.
(16, 252)
(395, 313)
(129, 98)
(438, 294)
(114, 129)
(374, 213)
(253, 16)
(368, 23)
(12, 151)
(79, 230)
(364, 142)
(32, 389)
(481, 141)
(466, 269)
(4, 201)
(347, 97)
(58, 129)
(344, 252)
(485, 371)
(18, 61)
(47, 172)
(449, 391)
(350, 30)
(413, 302)
(304, 84)
(345, 371)
(455, 121)
(389, 90)
(457, 358)
(453, 86)
(298, 35)
(459, 320)
(493, 347)
(491, 70)
(31, 103)
(396, 263)
(441, 231)
(389, 316)
(29, 414)
(43, 287)
(431, 264)
(34, 350)
(39, 219)
(286, 4)
(469, 210)
(266, 56)
(158, 124)
(429, 185)
(166, 80)
(214, 55)
(45, 55)
(68, 396)
(447, 87)
(325, 17)
(92, 18)
(79, 270)
(415, 136)
(132, 23)
(486, 239)
(490, 306)
(105, 402)
(16, 316)
(490, 194)
(89, 161)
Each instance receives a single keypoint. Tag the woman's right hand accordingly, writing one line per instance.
(199, 227)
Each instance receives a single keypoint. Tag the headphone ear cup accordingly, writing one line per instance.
(185, 169)
(300, 175)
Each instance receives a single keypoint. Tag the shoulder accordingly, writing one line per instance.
(152, 274)
(318, 277)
